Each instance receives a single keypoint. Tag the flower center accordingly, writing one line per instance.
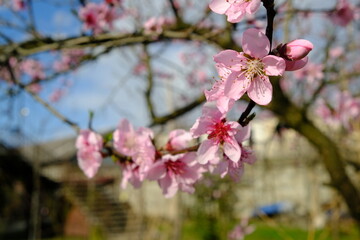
(176, 167)
(254, 68)
(220, 131)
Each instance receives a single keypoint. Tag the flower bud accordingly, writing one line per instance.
(296, 49)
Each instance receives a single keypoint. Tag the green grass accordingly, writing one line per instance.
(195, 231)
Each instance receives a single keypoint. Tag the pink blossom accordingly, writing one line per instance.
(241, 230)
(98, 17)
(311, 72)
(139, 68)
(250, 69)
(131, 173)
(35, 88)
(216, 93)
(295, 50)
(296, 65)
(236, 169)
(69, 59)
(220, 133)
(56, 95)
(343, 112)
(196, 76)
(235, 10)
(156, 25)
(343, 14)
(4, 71)
(18, 5)
(89, 145)
(294, 53)
(176, 172)
(114, 2)
(137, 145)
(178, 139)
(33, 68)
(336, 52)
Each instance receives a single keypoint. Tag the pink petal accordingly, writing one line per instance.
(232, 150)
(243, 134)
(89, 162)
(253, 6)
(222, 168)
(296, 65)
(219, 6)
(274, 66)
(260, 90)
(207, 151)
(200, 127)
(224, 104)
(230, 59)
(235, 13)
(255, 43)
(156, 171)
(236, 85)
(169, 186)
(189, 158)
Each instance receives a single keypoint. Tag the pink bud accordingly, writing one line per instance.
(296, 49)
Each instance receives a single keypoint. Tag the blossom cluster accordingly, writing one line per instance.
(99, 17)
(178, 165)
(175, 166)
(344, 110)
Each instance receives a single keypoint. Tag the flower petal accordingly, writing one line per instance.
(274, 66)
(230, 59)
(232, 150)
(236, 85)
(255, 43)
(219, 6)
(260, 90)
(169, 186)
(207, 151)
(296, 65)
(156, 171)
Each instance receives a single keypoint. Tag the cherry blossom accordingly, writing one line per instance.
(241, 230)
(98, 17)
(345, 110)
(294, 53)
(4, 71)
(178, 139)
(236, 169)
(138, 146)
(295, 50)
(175, 173)
(343, 14)
(33, 68)
(235, 10)
(89, 145)
(221, 133)
(216, 93)
(311, 72)
(18, 5)
(156, 25)
(34, 88)
(69, 59)
(250, 69)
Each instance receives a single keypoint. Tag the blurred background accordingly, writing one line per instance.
(63, 67)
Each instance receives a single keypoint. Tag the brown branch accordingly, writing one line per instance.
(150, 83)
(34, 46)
